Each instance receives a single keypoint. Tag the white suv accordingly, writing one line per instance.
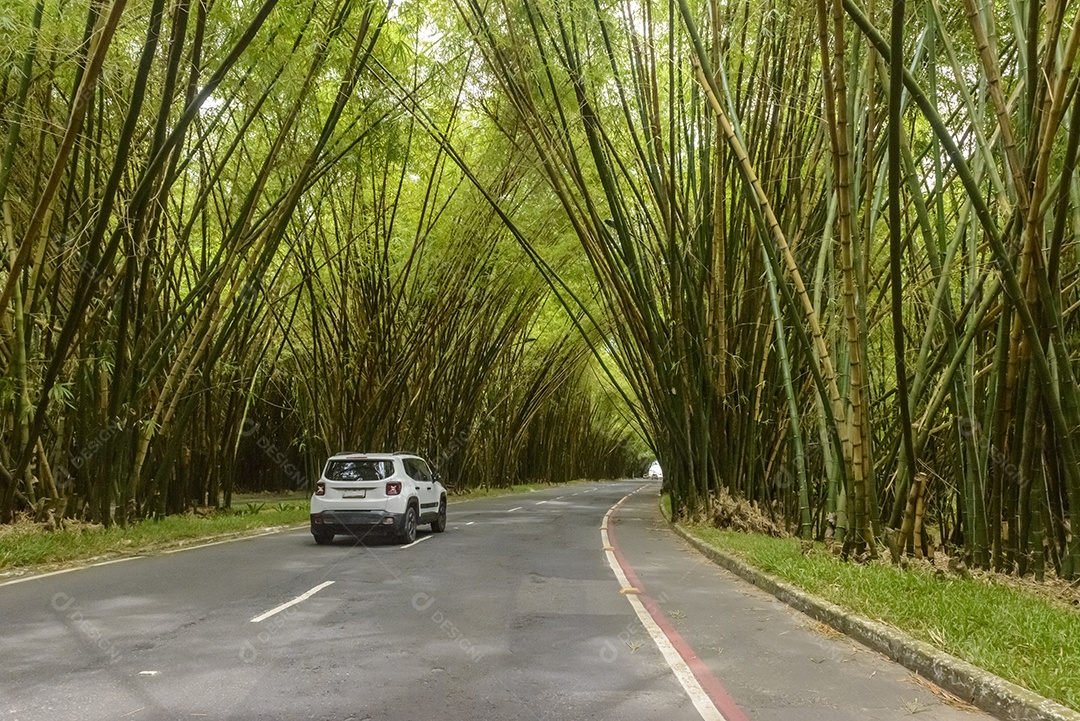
(363, 492)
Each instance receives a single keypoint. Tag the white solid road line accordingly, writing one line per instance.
(151, 554)
(514, 509)
(282, 529)
(36, 576)
(418, 540)
(302, 597)
(704, 705)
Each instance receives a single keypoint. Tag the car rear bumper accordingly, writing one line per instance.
(356, 522)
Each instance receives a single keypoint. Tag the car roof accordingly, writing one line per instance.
(358, 456)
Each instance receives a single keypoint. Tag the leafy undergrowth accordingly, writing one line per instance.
(1020, 635)
(270, 497)
(738, 514)
(27, 544)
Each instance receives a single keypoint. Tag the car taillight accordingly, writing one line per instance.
(393, 488)
(320, 489)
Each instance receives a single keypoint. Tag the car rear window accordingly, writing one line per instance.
(368, 470)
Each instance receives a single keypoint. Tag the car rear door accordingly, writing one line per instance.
(425, 482)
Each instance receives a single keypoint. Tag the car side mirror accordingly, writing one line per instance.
(435, 476)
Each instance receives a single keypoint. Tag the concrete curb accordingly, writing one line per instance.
(981, 688)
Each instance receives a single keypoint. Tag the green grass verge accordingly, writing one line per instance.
(1020, 635)
(26, 544)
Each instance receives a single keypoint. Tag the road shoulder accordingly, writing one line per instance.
(970, 683)
(777, 664)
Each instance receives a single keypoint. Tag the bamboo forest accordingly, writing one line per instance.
(817, 255)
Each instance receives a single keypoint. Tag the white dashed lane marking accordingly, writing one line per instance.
(302, 597)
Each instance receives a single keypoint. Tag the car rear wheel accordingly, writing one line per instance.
(439, 525)
(408, 527)
(323, 539)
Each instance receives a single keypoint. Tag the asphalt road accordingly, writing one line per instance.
(518, 611)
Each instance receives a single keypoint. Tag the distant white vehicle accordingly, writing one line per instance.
(655, 471)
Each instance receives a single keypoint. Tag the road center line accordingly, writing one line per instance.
(514, 509)
(684, 663)
(418, 540)
(540, 503)
(302, 597)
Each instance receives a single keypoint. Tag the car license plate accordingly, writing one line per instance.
(354, 494)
